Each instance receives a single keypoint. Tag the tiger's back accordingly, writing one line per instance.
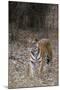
(45, 48)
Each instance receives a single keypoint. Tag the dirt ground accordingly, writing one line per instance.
(19, 58)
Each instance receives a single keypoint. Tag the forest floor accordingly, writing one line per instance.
(18, 63)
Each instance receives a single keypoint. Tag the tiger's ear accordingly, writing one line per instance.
(36, 40)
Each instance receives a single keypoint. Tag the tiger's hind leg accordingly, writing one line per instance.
(49, 66)
(48, 59)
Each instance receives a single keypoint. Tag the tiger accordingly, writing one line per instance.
(40, 53)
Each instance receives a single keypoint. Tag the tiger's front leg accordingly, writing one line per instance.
(31, 69)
